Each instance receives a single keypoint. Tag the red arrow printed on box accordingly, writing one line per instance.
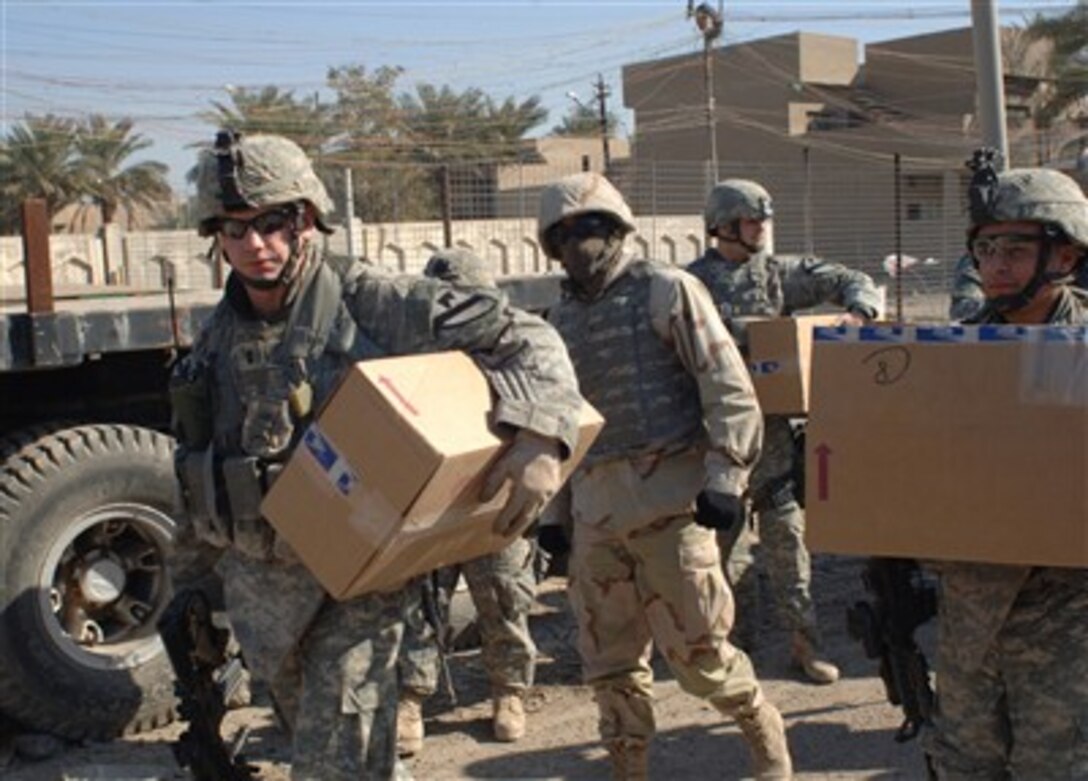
(823, 453)
(395, 392)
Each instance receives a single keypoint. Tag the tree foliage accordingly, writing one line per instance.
(37, 160)
(103, 150)
(1068, 34)
(271, 110)
(85, 163)
(585, 122)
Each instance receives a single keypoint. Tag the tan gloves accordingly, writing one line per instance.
(531, 463)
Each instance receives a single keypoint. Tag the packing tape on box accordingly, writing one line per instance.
(339, 472)
(1054, 363)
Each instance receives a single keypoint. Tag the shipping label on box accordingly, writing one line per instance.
(779, 353)
(965, 443)
(384, 485)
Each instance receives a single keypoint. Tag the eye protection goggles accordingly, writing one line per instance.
(265, 223)
(1014, 247)
(584, 226)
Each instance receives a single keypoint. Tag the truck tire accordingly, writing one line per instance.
(85, 533)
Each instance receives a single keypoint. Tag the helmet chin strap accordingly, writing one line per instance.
(1016, 301)
(734, 238)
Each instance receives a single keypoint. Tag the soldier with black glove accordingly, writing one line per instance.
(683, 430)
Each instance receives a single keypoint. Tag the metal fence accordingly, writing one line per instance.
(904, 228)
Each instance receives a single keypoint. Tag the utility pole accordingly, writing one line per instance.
(710, 25)
(990, 77)
(601, 92)
(349, 208)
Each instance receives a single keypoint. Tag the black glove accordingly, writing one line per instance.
(717, 510)
(552, 539)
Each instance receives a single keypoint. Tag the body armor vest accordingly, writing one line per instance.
(269, 377)
(266, 380)
(648, 400)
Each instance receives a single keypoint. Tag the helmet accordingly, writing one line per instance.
(245, 172)
(1032, 195)
(582, 193)
(459, 266)
(733, 199)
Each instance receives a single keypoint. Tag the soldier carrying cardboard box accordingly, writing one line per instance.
(290, 323)
(744, 281)
(1012, 654)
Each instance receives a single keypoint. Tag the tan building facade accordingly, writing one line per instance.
(821, 125)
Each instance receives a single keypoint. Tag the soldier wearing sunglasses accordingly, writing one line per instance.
(290, 322)
(1012, 652)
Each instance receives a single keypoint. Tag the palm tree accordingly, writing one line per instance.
(103, 148)
(271, 110)
(37, 160)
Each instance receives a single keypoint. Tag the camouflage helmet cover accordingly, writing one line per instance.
(459, 266)
(582, 193)
(266, 170)
(1037, 195)
(732, 199)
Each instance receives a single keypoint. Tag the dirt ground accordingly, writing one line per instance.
(842, 731)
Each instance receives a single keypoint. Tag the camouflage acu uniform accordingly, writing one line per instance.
(769, 286)
(661, 368)
(1012, 652)
(502, 587)
(330, 665)
(1012, 660)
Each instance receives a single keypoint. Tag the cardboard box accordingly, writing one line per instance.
(779, 355)
(961, 443)
(384, 484)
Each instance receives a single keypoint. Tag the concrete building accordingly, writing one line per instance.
(821, 127)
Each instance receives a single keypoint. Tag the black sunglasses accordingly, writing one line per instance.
(584, 226)
(265, 223)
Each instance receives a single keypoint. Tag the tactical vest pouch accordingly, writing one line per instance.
(196, 470)
(244, 485)
(190, 403)
(267, 427)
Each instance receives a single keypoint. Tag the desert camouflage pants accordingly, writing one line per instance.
(502, 587)
(661, 583)
(330, 666)
(1012, 698)
(781, 536)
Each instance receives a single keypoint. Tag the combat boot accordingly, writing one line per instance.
(806, 656)
(508, 717)
(630, 759)
(409, 724)
(766, 735)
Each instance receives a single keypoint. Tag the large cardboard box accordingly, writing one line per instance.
(385, 483)
(950, 442)
(779, 356)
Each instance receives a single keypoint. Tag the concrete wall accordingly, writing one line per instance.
(147, 258)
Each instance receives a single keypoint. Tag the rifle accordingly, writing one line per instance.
(431, 589)
(205, 681)
(902, 601)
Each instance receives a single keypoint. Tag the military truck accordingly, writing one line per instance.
(87, 496)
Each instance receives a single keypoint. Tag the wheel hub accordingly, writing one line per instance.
(102, 582)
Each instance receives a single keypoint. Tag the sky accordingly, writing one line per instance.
(162, 62)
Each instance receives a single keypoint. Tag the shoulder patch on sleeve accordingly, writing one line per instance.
(457, 308)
